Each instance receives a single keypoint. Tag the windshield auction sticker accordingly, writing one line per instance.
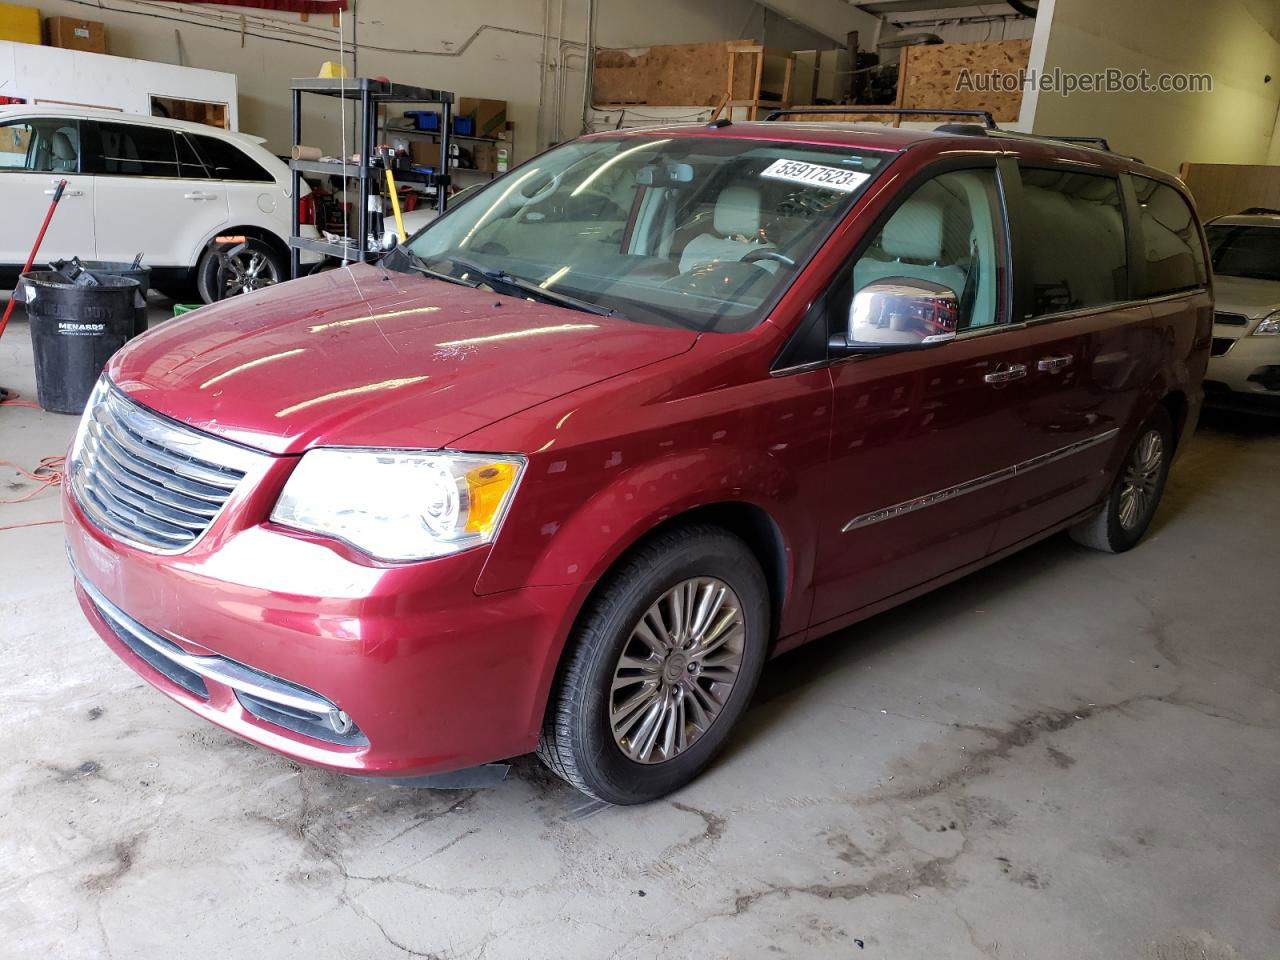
(816, 175)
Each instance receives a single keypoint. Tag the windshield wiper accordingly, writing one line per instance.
(402, 259)
(518, 285)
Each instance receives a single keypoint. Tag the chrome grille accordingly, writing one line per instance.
(1231, 319)
(148, 481)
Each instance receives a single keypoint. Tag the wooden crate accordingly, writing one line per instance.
(758, 77)
(927, 76)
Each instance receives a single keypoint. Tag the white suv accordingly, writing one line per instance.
(162, 188)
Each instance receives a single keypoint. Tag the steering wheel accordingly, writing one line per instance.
(755, 255)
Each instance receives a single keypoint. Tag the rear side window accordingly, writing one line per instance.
(130, 150)
(1076, 249)
(226, 161)
(1170, 239)
(189, 164)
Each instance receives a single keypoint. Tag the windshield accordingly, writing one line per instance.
(698, 232)
(1240, 251)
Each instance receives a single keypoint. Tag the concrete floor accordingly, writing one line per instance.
(1068, 755)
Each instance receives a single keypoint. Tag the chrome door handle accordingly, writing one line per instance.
(1050, 364)
(1015, 371)
(65, 193)
(199, 196)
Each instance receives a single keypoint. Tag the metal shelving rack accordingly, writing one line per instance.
(370, 95)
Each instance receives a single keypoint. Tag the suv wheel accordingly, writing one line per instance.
(1136, 493)
(660, 669)
(257, 266)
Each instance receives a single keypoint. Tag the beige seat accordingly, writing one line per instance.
(736, 221)
(62, 154)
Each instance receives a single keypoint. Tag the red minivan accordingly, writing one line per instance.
(564, 471)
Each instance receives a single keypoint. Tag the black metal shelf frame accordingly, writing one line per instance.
(370, 94)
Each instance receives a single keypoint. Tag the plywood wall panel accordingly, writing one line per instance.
(1222, 188)
(929, 75)
(692, 74)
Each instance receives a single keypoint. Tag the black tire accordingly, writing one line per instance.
(578, 742)
(1111, 529)
(207, 270)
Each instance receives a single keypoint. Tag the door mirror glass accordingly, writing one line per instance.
(899, 313)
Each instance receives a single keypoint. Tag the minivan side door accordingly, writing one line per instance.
(921, 438)
(1093, 345)
(35, 153)
(154, 193)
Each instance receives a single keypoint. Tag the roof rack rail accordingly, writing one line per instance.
(984, 115)
(1099, 142)
(1257, 212)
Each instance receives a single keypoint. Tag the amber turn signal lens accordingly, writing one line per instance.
(487, 488)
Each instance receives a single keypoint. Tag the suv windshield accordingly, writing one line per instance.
(1243, 251)
(698, 232)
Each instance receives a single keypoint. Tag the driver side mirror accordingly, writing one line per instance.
(899, 313)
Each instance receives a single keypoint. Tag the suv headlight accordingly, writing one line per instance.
(400, 505)
(1270, 326)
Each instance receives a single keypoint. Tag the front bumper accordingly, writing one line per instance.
(291, 639)
(1250, 368)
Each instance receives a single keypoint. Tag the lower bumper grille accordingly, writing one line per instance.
(1220, 346)
(266, 697)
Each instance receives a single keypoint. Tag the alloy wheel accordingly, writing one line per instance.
(677, 670)
(247, 272)
(1141, 480)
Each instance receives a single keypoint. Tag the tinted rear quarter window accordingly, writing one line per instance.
(226, 161)
(1170, 239)
(129, 150)
(1076, 254)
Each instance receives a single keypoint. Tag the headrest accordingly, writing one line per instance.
(62, 147)
(738, 212)
(914, 232)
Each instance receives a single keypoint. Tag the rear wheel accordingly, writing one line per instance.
(257, 266)
(660, 669)
(1131, 503)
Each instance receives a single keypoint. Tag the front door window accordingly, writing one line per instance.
(945, 233)
(40, 146)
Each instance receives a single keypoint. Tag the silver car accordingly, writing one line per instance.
(1244, 368)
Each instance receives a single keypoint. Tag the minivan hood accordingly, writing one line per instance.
(369, 357)
(1245, 295)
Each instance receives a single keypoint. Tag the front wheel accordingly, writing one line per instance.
(1133, 498)
(660, 669)
(256, 266)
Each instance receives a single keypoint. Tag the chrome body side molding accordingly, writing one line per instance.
(977, 483)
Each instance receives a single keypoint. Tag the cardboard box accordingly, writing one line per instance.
(20, 24)
(424, 153)
(490, 115)
(73, 34)
(485, 155)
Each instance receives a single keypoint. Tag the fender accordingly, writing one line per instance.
(630, 458)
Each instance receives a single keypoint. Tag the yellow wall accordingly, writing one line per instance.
(1237, 41)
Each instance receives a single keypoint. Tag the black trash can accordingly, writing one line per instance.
(74, 331)
(134, 270)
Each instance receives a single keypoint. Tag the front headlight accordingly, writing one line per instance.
(1270, 326)
(400, 504)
